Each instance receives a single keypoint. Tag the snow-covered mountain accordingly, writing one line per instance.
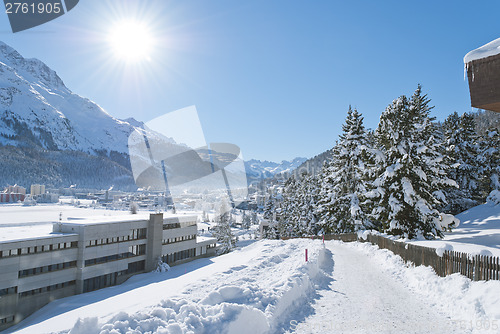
(50, 135)
(257, 169)
(36, 108)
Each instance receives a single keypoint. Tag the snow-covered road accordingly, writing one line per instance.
(364, 298)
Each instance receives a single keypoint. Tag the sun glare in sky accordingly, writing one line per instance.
(131, 41)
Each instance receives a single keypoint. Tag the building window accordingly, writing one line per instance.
(46, 269)
(7, 320)
(100, 282)
(171, 226)
(135, 267)
(46, 289)
(134, 250)
(179, 256)
(8, 291)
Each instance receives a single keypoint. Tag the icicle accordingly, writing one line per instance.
(466, 67)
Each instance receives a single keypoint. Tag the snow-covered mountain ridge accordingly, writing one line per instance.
(45, 129)
(265, 169)
(36, 108)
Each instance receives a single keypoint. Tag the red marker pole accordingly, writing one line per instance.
(306, 254)
(323, 238)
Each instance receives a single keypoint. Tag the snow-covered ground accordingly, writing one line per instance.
(267, 287)
(256, 289)
(373, 291)
(478, 232)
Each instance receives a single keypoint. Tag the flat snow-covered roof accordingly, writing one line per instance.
(18, 222)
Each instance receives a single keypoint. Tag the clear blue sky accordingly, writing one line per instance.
(275, 77)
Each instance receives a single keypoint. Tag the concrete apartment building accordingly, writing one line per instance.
(15, 189)
(83, 255)
(37, 189)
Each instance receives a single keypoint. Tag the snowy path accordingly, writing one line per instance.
(363, 298)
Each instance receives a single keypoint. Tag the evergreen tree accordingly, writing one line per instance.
(222, 230)
(413, 169)
(306, 197)
(289, 209)
(269, 208)
(462, 148)
(254, 218)
(345, 179)
(133, 207)
(246, 221)
(490, 159)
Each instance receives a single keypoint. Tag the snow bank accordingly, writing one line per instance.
(448, 221)
(363, 234)
(487, 50)
(473, 306)
(494, 197)
(445, 247)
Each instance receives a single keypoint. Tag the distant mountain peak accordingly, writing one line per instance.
(258, 169)
(132, 121)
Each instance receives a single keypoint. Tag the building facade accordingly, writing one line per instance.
(11, 197)
(15, 189)
(484, 82)
(37, 189)
(82, 256)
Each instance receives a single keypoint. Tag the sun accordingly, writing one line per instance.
(131, 41)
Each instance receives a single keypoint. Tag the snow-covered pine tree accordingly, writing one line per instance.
(133, 207)
(306, 197)
(345, 179)
(246, 220)
(462, 148)
(269, 208)
(222, 229)
(374, 166)
(414, 169)
(254, 218)
(325, 196)
(289, 208)
(490, 159)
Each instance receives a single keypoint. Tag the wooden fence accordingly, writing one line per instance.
(345, 237)
(475, 267)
